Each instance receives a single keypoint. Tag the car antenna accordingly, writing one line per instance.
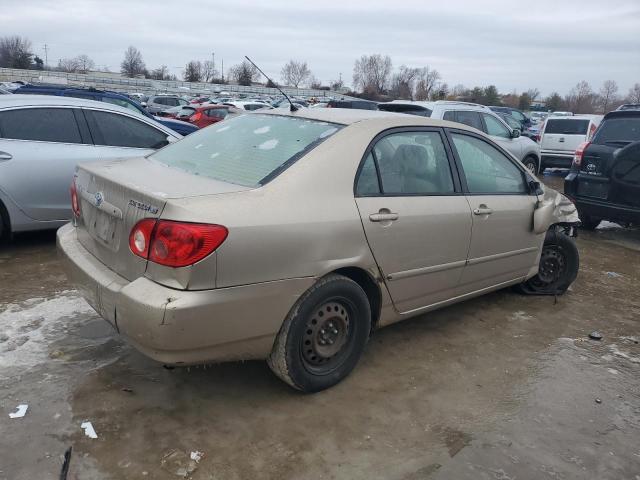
(293, 108)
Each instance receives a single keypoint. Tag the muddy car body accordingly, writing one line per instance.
(322, 225)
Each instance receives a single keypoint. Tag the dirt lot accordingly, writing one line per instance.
(500, 387)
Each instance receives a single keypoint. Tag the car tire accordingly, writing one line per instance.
(5, 224)
(323, 336)
(531, 163)
(559, 265)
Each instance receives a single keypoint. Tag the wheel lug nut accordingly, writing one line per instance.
(335, 331)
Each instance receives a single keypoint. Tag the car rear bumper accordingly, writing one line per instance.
(557, 159)
(599, 208)
(179, 326)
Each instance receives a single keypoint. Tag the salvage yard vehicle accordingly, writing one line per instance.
(561, 136)
(604, 181)
(477, 116)
(42, 138)
(115, 98)
(290, 236)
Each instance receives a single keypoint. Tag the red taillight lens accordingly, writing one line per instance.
(577, 157)
(175, 244)
(195, 117)
(75, 202)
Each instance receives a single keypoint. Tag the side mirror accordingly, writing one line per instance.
(515, 133)
(144, 104)
(535, 187)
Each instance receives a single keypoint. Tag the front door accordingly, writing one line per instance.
(504, 246)
(416, 220)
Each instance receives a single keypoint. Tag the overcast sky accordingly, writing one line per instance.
(549, 45)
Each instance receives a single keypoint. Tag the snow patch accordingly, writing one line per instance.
(222, 129)
(261, 130)
(28, 328)
(268, 145)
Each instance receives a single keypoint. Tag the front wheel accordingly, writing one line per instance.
(588, 222)
(559, 264)
(323, 336)
(531, 163)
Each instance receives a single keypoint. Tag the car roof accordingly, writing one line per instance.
(614, 114)
(24, 100)
(583, 116)
(351, 116)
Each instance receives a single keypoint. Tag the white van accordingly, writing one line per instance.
(561, 136)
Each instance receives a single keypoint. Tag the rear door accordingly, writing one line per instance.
(41, 147)
(564, 135)
(415, 217)
(503, 245)
(117, 135)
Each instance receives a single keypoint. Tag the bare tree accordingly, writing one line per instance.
(295, 73)
(403, 83)
(161, 73)
(608, 94)
(192, 71)
(209, 72)
(372, 74)
(554, 102)
(533, 93)
(85, 64)
(458, 90)
(634, 94)
(132, 65)
(314, 82)
(426, 81)
(244, 73)
(336, 84)
(69, 65)
(581, 98)
(15, 52)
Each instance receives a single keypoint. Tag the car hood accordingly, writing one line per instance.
(166, 121)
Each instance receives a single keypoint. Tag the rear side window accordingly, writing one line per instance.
(113, 130)
(486, 169)
(618, 130)
(120, 102)
(409, 163)
(41, 124)
(246, 150)
(567, 126)
(469, 118)
(217, 112)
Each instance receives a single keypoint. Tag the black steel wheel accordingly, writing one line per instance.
(559, 264)
(323, 336)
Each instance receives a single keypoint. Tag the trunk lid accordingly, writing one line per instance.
(115, 195)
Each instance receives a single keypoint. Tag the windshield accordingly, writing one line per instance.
(618, 130)
(246, 150)
(567, 126)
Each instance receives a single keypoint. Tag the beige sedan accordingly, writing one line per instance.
(292, 236)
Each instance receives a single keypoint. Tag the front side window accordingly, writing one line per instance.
(114, 130)
(495, 127)
(486, 169)
(411, 163)
(246, 150)
(41, 124)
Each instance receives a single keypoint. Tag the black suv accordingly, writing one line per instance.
(358, 104)
(604, 181)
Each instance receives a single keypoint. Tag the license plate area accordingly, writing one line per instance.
(589, 188)
(102, 227)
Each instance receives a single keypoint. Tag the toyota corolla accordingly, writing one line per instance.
(292, 236)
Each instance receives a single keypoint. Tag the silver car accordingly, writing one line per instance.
(42, 138)
(290, 236)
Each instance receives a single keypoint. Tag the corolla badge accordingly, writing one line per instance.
(143, 206)
(99, 198)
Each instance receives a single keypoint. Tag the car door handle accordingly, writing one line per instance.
(483, 210)
(5, 156)
(383, 217)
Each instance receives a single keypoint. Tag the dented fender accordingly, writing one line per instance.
(554, 208)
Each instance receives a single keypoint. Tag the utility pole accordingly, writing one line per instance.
(46, 56)
(222, 70)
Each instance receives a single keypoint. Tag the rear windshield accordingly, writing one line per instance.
(246, 150)
(409, 109)
(567, 126)
(618, 130)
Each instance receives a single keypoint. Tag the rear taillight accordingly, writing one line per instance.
(75, 202)
(175, 244)
(195, 117)
(592, 130)
(577, 157)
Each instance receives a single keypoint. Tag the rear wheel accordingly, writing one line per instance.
(323, 336)
(559, 264)
(531, 163)
(5, 225)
